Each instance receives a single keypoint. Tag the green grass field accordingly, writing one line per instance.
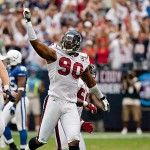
(103, 141)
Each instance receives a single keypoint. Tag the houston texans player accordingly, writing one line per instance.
(18, 77)
(65, 65)
(82, 95)
(4, 79)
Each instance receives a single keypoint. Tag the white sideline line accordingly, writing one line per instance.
(105, 135)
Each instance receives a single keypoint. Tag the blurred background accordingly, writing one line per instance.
(116, 36)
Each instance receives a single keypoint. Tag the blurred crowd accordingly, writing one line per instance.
(115, 33)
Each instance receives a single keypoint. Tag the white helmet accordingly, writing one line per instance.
(14, 57)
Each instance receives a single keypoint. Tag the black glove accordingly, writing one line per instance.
(9, 96)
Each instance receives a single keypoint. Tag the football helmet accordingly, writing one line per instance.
(13, 57)
(71, 41)
(92, 70)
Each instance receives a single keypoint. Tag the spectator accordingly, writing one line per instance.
(140, 51)
(90, 50)
(102, 53)
(115, 58)
(127, 54)
(137, 15)
(91, 18)
(131, 103)
(34, 87)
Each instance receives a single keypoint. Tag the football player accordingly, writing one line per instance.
(82, 95)
(65, 66)
(4, 79)
(18, 78)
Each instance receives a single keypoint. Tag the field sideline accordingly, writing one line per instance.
(103, 141)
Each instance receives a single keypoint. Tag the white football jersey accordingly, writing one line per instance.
(64, 74)
(83, 93)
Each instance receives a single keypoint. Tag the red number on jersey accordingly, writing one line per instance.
(65, 63)
(75, 67)
(79, 94)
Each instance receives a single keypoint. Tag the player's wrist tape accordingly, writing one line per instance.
(6, 87)
(31, 33)
(81, 122)
(21, 89)
(85, 103)
(96, 91)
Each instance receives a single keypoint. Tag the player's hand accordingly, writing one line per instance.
(27, 14)
(87, 126)
(10, 96)
(12, 109)
(92, 108)
(105, 103)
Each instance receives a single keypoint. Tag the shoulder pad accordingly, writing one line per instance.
(20, 71)
(84, 55)
(55, 47)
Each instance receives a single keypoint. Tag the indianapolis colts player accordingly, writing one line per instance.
(65, 66)
(18, 78)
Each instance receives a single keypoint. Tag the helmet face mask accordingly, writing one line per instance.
(71, 42)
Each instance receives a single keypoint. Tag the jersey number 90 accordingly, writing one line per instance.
(65, 63)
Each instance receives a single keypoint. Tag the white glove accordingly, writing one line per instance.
(105, 103)
(27, 14)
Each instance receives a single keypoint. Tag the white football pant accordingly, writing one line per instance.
(67, 112)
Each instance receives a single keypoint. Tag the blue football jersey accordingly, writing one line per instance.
(13, 74)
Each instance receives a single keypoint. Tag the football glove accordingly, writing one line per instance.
(105, 104)
(9, 96)
(92, 108)
(12, 109)
(27, 14)
(87, 126)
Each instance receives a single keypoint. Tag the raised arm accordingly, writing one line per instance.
(42, 50)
